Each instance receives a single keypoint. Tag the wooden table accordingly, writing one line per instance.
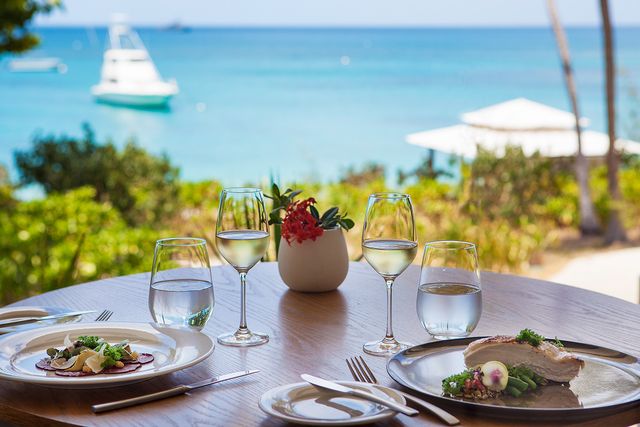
(310, 333)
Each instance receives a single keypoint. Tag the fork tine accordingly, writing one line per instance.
(353, 374)
(357, 369)
(373, 377)
(104, 316)
(364, 373)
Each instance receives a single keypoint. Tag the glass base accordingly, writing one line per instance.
(243, 338)
(385, 347)
(440, 337)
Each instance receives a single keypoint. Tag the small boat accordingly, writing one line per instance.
(176, 26)
(37, 65)
(129, 76)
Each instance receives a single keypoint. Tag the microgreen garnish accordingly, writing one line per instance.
(557, 343)
(528, 336)
(454, 384)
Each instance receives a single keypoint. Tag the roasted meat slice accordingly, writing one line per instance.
(547, 360)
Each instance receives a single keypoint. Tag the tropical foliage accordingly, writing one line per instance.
(141, 186)
(105, 223)
(15, 17)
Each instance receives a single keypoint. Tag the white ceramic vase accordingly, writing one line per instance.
(314, 266)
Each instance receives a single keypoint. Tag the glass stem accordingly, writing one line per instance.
(389, 334)
(243, 303)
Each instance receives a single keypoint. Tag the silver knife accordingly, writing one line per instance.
(330, 385)
(181, 389)
(22, 320)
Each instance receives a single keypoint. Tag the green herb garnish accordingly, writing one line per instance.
(454, 384)
(112, 353)
(91, 342)
(557, 343)
(528, 336)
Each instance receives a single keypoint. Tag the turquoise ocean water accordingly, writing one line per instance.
(305, 103)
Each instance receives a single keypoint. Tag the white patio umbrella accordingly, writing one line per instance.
(519, 122)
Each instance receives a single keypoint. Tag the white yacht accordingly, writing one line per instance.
(129, 76)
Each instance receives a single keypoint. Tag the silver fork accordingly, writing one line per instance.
(104, 316)
(360, 372)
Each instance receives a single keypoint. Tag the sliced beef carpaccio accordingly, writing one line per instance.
(45, 364)
(130, 367)
(145, 358)
(142, 358)
(547, 360)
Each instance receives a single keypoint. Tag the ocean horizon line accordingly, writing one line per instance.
(168, 26)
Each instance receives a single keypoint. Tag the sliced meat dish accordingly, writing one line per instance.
(45, 364)
(126, 368)
(547, 360)
(145, 358)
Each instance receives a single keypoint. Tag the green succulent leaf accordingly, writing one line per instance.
(314, 212)
(347, 223)
(329, 213)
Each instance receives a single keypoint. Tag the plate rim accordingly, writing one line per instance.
(512, 410)
(110, 381)
(267, 409)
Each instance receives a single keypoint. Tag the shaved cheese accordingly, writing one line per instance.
(67, 342)
(62, 363)
(80, 360)
(95, 361)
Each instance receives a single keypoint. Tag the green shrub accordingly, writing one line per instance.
(65, 239)
(509, 206)
(143, 187)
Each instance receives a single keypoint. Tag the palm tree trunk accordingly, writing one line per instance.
(615, 229)
(589, 223)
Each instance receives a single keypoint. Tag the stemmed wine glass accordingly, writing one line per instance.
(389, 245)
(242, 238)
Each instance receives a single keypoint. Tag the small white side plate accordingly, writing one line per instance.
(303, 403)
(173, 349)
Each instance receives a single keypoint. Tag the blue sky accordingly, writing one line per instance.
(342, 12)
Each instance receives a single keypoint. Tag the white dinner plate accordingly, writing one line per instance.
(303, 403)
(7, 313)
(172, 348)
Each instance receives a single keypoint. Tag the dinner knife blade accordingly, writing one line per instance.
(221, 378)
(330, 385)
(325, 383)
(175, 391)
(23, 320)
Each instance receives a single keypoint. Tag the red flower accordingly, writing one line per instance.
(299, 224)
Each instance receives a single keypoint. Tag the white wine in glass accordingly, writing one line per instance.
(389, 257)
(389, 245)
(242, 248)
(242, 238)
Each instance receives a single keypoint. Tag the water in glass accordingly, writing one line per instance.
(449, 299)
(181, 285)
(185, 302)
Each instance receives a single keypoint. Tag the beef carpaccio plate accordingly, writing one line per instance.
(92, 355)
